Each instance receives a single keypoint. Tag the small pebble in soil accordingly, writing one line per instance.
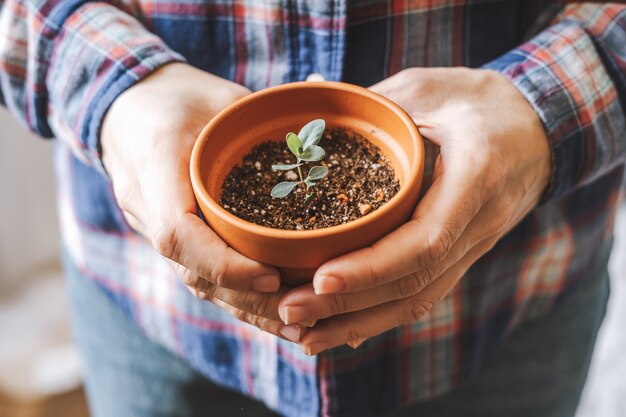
(359, 182)
(342, 199)
(365, 209)
(379, 195)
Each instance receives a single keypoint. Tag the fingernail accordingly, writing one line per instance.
(292, 333)
(315, 348)
(294, 314)
(266, 283)
(329, 284)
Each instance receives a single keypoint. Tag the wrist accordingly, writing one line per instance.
(176, 98)
(537, 161)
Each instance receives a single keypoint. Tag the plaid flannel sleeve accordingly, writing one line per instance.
(574, 75)
(63, 63)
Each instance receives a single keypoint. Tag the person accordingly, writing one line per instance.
(487, 302)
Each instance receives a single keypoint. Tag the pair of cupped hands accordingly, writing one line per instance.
(493, 166)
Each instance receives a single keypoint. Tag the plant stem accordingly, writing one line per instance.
(300, 174)
(299, 171)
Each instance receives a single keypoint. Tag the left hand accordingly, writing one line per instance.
(493, 167)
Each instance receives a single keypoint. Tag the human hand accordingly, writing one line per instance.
(493, 166)
(147, 138)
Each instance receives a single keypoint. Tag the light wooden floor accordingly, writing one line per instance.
(69, 405)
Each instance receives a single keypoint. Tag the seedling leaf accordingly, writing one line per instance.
(318, 172)
(294, 144)
(305, 147)
(284, 188)
(285, 167)
(311, 133)
(312, 153)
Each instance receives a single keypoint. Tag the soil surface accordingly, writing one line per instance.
(359, 182)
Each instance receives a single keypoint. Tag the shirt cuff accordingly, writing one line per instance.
(562, 76)
(99, 52)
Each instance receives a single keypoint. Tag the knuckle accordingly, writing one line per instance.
(254, 320)
(401, 287)
(439, 244)
(413, 310)
(259, 305)
(217, 273)
(354, 334)
(405, 75)
(190, 279)
(374, 276)
(414, 283)
(425, 276)
(239, 314)
(207, 288)
(338, 304)
(166, 242)
(416, 78)
(489, 245)
(201, 283)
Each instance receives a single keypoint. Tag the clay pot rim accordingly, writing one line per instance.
(412, 179)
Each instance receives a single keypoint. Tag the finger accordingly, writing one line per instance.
(190, 242)
(302, 306)
(277, 328)
(191, 280)
(352, 327)
(259, 304)
(440, 218)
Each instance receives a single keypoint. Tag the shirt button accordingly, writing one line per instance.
(315, 76)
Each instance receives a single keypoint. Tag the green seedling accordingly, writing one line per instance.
(304, 146)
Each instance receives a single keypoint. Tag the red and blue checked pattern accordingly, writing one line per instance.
(62, 63)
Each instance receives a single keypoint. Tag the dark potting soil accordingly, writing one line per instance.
(359, 182)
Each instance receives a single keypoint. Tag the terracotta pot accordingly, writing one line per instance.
(268, 115)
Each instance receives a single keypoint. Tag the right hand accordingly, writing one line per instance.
(147, 138)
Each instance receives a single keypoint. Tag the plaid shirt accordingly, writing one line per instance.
(62, 63)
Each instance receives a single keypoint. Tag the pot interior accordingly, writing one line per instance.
(270, 116)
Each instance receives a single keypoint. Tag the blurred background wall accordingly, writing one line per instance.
(39, 368)
(28, 242)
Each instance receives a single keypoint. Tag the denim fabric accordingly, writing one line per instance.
(129, 375)
(539, 370)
